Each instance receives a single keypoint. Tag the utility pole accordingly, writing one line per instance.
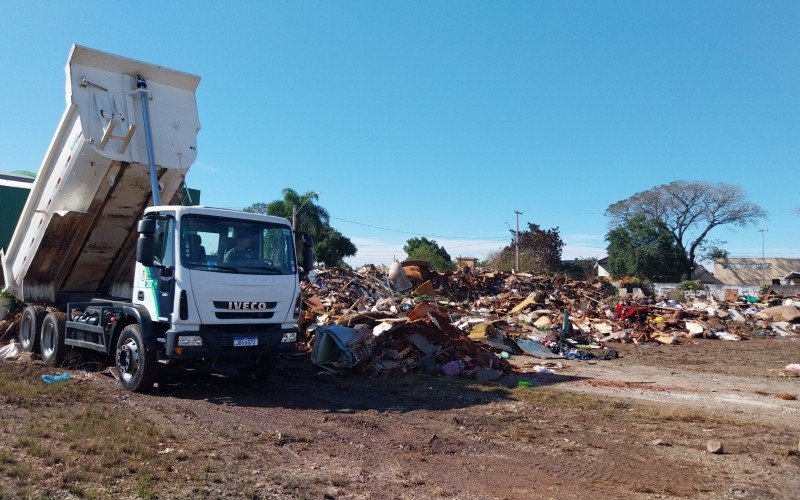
(763, 232)
(516, 239)
(296, 209)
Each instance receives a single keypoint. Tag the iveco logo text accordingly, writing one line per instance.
(249, 306)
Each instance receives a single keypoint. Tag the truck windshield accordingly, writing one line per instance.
(241, 246)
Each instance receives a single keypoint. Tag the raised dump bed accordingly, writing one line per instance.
(76, 234)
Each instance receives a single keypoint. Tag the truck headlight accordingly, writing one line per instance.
(289, 337)
(190, 341)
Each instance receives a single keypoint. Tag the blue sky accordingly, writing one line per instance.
(442, 118)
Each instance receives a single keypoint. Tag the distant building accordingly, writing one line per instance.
(186, 197)
(756, 271)
(472, 262)
(14, 191)
(702, 274)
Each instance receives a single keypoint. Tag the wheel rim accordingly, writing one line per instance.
(128, 360)
(25, 333)
(48, 339)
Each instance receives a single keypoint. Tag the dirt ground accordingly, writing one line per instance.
(632, 427)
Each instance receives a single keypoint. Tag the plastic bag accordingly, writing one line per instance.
(11, 351)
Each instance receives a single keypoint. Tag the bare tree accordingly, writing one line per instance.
(690, 210)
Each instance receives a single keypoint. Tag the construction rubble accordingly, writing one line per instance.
(409, 318)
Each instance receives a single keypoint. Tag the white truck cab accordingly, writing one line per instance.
(225, 282)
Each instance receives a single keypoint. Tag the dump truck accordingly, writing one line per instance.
(101, 264)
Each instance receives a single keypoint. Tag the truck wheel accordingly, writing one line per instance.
(52, 338)
(29, 327)
(265, 367)
(136, 367)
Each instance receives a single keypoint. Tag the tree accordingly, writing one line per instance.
(644, 248)
(716, 253)
(539, 251)
(425, 249)
(689, 210)
(332, 247)
(311, 217)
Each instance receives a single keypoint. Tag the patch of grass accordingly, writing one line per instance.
(291, 482)
(93, 442)
(625, 410)
(656, 413)
(19, 471)
(143, 486)
(46, 453)
(23, 442)
(522, 430)
(338, 480)
(21, 385)
(41, 430)
(6, 458)
(282, 439)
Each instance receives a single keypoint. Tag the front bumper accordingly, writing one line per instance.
(218, 342)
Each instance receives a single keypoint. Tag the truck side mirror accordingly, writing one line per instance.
(308, 253)
(308, 259)
(147, 226)
(145, 249)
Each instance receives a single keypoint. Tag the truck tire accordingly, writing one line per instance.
(52, 338)
(136, 367)
(29, 327)
(265, 367)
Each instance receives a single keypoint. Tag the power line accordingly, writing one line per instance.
(422, 234)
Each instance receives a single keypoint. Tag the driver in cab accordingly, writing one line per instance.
(241, 251)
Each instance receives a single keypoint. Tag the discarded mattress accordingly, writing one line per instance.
(339, 347)
(535, 349)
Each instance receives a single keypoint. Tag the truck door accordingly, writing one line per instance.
(164, 269)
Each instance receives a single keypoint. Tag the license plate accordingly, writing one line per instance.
(244, 341)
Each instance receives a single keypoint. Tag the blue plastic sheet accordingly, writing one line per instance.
(52, 379)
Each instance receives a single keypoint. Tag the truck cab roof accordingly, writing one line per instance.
(218, 212)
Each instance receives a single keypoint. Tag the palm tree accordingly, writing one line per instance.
(311, 217)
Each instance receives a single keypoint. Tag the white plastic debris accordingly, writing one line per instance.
(381, 328)
(11, 351)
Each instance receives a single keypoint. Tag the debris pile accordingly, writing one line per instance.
(412, 318)
(392, 321)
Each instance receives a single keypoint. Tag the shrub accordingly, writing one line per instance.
(14, 305)
(690, 285)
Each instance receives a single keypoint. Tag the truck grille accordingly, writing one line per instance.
(217, 330)
(244, 315)
(223, 304)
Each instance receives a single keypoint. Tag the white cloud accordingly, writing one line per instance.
(577, 251)
(204, 168)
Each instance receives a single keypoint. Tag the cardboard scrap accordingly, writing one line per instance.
(531, 299)
(425, 289)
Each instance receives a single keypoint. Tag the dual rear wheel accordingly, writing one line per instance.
(43, 331)
(29, 328)
(52, 338)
